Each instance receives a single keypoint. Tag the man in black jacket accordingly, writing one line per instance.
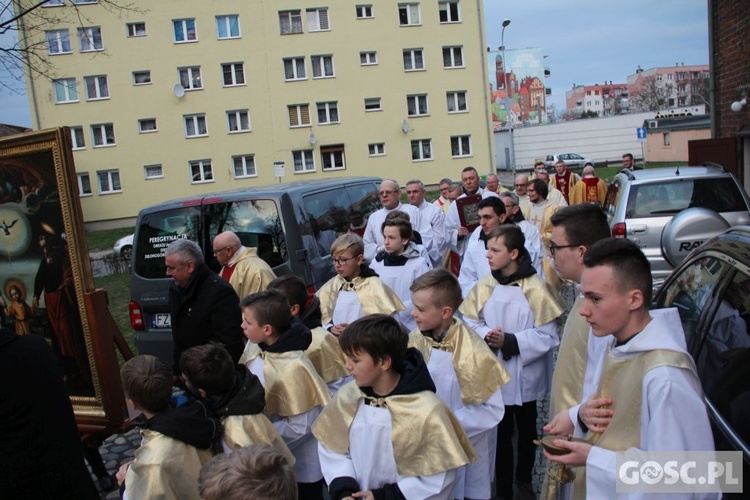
(203, 306)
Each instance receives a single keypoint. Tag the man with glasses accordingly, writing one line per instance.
(241, 266)
(564, 180)
(520, 184)
(445, 186)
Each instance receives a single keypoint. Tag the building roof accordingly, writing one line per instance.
(681, 123)
(6, 130)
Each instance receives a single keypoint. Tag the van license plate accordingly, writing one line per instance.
(162, 320)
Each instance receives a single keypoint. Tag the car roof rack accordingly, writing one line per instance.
(712, 164)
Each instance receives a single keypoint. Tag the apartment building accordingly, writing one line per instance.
(667, 87)
(183, 98)
(607, 99)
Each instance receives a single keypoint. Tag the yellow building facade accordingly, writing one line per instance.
(178, 99)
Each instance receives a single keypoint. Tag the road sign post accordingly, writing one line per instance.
(641, 133)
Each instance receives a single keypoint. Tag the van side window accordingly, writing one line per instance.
(156, 232)
(328, 219)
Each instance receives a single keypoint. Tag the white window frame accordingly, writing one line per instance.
(145, 122)
(238, 115)
(82, 191)
(368, 58)
(297, 72)
(373, 104)
(452, 96)
(424, 154)
(332, 155)
(412, 55)
(364, 11)
(54, 3)
(458, 144)
(376, 149)
(100, 87)
(58, 42)
(290, 22)
(136, 29)
(147, 176)
(446, 14)
(205, 169)
(144, 72)
(103, 135)
(185, 25)
(319, 66)
(417, 105)
(190, 78)
(87, 39)
(306, 160)
(330, 112)
(234, 70)
(296, 111)
(246, 164)
(318, 20)
(195, 121)
(454, 52)
(111, 175)
(77, 138)
(409, 14)
(70, 87)
(226, 21)
(83, 2)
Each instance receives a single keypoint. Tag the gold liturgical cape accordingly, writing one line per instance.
(622, 380)
(165, 468)
(292, 385)
(567, 379)
(480, 374)
(326, 356)
(544, 304)
(374, 296)
(241, 431)
(427, 438)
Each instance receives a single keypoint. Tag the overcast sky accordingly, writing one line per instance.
(586, 41)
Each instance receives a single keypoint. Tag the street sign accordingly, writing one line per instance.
(641, 133)
(278, 169)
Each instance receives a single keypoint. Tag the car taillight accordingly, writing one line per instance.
(136, 316)
(310, 295)
(619, 230)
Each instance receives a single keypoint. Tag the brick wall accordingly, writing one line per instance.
(731, 30)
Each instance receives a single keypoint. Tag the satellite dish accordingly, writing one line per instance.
(178, 90)
(405, 126)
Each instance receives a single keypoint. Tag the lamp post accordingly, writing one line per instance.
(506, 23)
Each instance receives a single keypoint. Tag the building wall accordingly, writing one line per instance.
(673, 77)
(674, 147)
(266, 95)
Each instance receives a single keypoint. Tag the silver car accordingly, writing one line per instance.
(571, 160)
(124, 247)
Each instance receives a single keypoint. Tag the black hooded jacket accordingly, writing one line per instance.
(247, 396)
(295, 337)
(192, 423)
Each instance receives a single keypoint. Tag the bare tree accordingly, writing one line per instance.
(652, 94)
(23, 44)
(699, 92)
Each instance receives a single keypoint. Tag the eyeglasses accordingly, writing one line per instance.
(553, 247)
(222, 249)
(386, 193)
(341, 262)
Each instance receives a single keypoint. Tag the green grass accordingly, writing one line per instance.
(104, 240)
(118, 290)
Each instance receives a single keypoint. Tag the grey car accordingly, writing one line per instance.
(571, 160)
(639, 205)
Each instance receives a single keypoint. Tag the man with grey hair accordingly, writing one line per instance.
(520, 184)
(434, 216)
(590, 189)
(444, 186)
(241, 266)
(493, 184)
(203, 307)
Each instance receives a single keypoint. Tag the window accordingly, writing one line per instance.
(461, 145)
(142, 77)
(147, 125)
(190, 78)
(234, 74)
(90, 39)
(669, 76)
(328, 112)
(184, 30)
(290, 21)
(58, 42)
(317, 20)
(667, 138)
(416, 105)
(332, 157)
(299, 115)
(96, 87)
(376, 149)
(153, 171)
(77, 139)
(84, 184)
(195, 125)
(457, 101)
(84, 1)
(373, 104)
(103, 134)
(65, 90)
(322, 66)
(453, 57)
(368, 58)
(294, 69)
(681, 87)
(303, 161)
(421, 150)
(109, 181)
(238, 121)
(136, 29)
(201, 171)
(681, 75)
(449, 11)
(408, 14)
(413, 59)
(364, 11)
(228, 26)
(244, 166)
(54, 3)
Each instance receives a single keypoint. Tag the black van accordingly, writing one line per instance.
(291, 224)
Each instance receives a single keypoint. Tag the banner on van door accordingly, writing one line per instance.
(158, 244)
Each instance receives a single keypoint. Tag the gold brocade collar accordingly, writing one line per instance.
(374, 296)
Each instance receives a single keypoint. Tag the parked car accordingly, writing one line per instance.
(572, 161)
(640, 203)
(711, 291)
(291, 224)
(124, 247)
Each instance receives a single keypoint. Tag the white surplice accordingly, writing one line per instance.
(399, 279)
